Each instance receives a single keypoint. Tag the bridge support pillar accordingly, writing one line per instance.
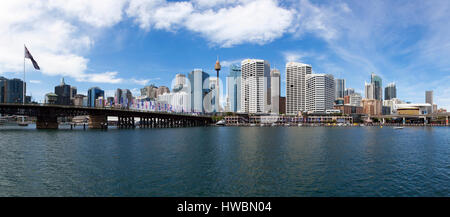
(47, 122)
(404, 121)
(97, 121)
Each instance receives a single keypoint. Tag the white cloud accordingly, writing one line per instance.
(228, 63)
(257, 22)
(99, 13)
(106, 77)
(141, 81)
(293, 56)
(35, 81)
(55, 41)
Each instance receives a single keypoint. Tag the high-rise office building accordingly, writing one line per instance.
(255, 86)
(118, 97)
(93, 94)
(340, 88)
(179, 83)
(377, 87)
(234, 88)
(78, 100)
(429, 100)
(429, 97)
(390, 91)
(275, 83)
(355, 99)
(149, 91)
(2, 89)
(64, 93)
(162, 90)
(123, 98)
(349, 91)
(127, 97)
(368, 90)
(214, 94)
(296, 87)
(11, 90)
(320, 92)
(73, 92)
(199, 87)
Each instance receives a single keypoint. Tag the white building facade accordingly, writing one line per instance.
(255, 86)
(320, 92)
(296, 87)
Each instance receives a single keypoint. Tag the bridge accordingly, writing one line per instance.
(47, 116)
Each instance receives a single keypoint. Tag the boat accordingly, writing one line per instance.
(220, 123)
(274, 124)
(299, 125)
(398, 128)
(252, 125)
(22, 123)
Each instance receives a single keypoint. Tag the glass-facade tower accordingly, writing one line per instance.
(234, 88)
(93, 94)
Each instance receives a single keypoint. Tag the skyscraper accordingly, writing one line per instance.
(377, 87)
(320, 92)
(149, 91)
(349, 91)
(255, 86)
(214, 96)
(296, 87)
(340, 88)
(275, 91)
(11, 90)
(93, 94)
(199, 87)
(118, 97)
(180, 82)
(64, 93)
(368, 90)
(162, 90)
(429, 100)
(234, 88)
(390, 91)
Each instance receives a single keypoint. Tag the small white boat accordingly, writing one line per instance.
(274, 124)
(398, 128)
(252, 125)
(22, 123)
(300, 125)
(221, 123)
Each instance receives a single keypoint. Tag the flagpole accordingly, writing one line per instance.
(23, 86)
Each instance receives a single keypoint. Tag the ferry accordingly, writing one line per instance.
(398, 128)
(22, 123)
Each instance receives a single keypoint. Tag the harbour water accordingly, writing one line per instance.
(226, 161)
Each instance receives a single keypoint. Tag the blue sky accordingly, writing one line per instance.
(131, 43)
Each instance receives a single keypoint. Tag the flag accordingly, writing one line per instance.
(28, 55)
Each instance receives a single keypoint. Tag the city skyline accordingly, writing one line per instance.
(121, 48)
